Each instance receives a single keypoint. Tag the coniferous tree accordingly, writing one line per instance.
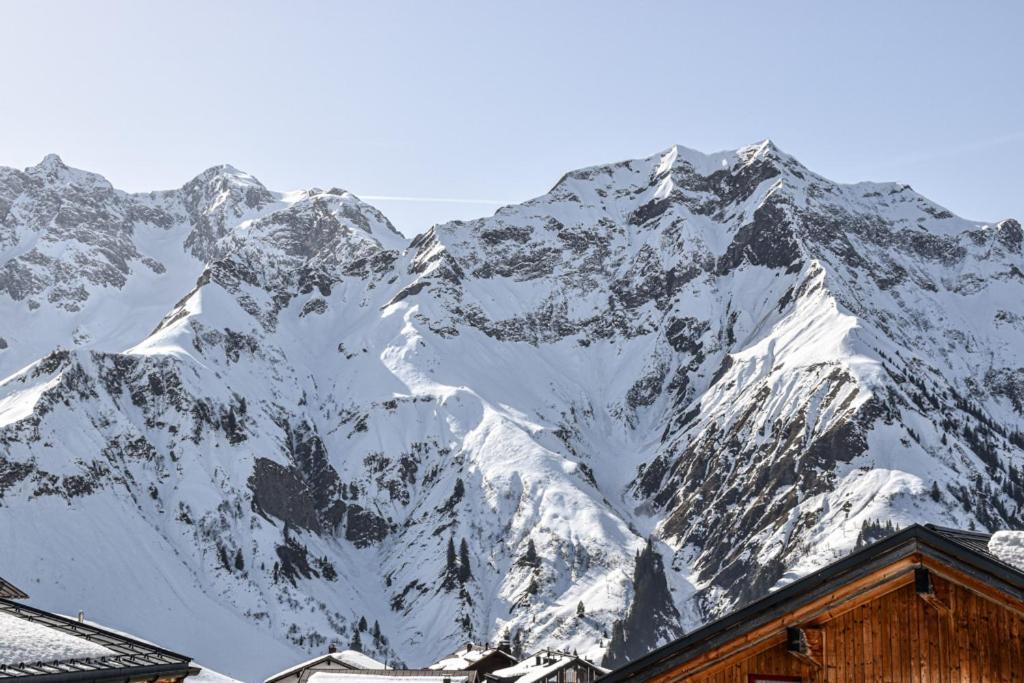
(465, 572)
(357, 642)
(362, 624)
(936, 494)
(239, 560)
(450, 577)
(581, 610)
(223, 555)
(375, 632)
(530, 559)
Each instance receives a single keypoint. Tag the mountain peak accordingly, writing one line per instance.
(53, 169)
(227, 172)
(51, 162)
(765, 149)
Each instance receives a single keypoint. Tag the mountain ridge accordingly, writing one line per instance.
(737, 367)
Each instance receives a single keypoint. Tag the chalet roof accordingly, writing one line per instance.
(10, 591)
(48, 648)
(540, 665)
(396, 675)
(963, 550)
(349, 659)
(469, 656)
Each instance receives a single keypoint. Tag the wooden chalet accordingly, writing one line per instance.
(925, 605)
(482, 659)
(549, 666)
(332, 660)
(41, 647)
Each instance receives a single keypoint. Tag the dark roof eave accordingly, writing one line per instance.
(151, 661)
(109, 675)
(76, 628)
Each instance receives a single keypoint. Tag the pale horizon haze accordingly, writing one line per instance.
(439, 111)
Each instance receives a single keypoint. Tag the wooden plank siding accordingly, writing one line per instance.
(893, 637)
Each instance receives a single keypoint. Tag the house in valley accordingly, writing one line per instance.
(41, 647)
(549, 666)
(482, 659)
(394, 676)
(927, 604)
(331, 661)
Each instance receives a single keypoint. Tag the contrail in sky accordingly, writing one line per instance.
(436, 200)
(945, 152)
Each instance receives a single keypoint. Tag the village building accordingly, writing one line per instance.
(331, 661)
(41, 647)
(927, 604)
(482, 659)
(549, 666)
(394, 676)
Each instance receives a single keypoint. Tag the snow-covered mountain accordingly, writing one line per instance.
(261, 417)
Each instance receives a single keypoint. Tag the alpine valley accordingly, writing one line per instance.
(238, 422)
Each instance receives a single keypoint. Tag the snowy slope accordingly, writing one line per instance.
(466, 435)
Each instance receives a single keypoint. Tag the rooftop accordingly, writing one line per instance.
(470, 655)
(540, 665)
(398, 675)
(10, 591)
(966, 551)
(48, 647)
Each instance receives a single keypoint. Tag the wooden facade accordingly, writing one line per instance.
(927, 606)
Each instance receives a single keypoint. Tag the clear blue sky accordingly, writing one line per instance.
(494, 101)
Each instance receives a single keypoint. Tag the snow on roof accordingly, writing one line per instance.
(23, 641)
(1008, 546)
(463, 659)
(349, 658)
(528, 670)
(537, 672)
(358, 660)
(382, 676)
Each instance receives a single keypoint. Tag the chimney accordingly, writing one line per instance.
(81, 617)
(332, 648)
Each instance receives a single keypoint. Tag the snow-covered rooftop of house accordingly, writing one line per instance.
(23, 641)
(349, 658)
(1008, 546)
(529, 670)
(464, 658)
(382, 676)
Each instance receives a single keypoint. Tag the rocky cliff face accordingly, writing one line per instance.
(282, 414)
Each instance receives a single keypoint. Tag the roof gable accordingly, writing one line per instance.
(347, 659)
(472, 657)
(10, 591)
(542, 664)
(966, 552)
